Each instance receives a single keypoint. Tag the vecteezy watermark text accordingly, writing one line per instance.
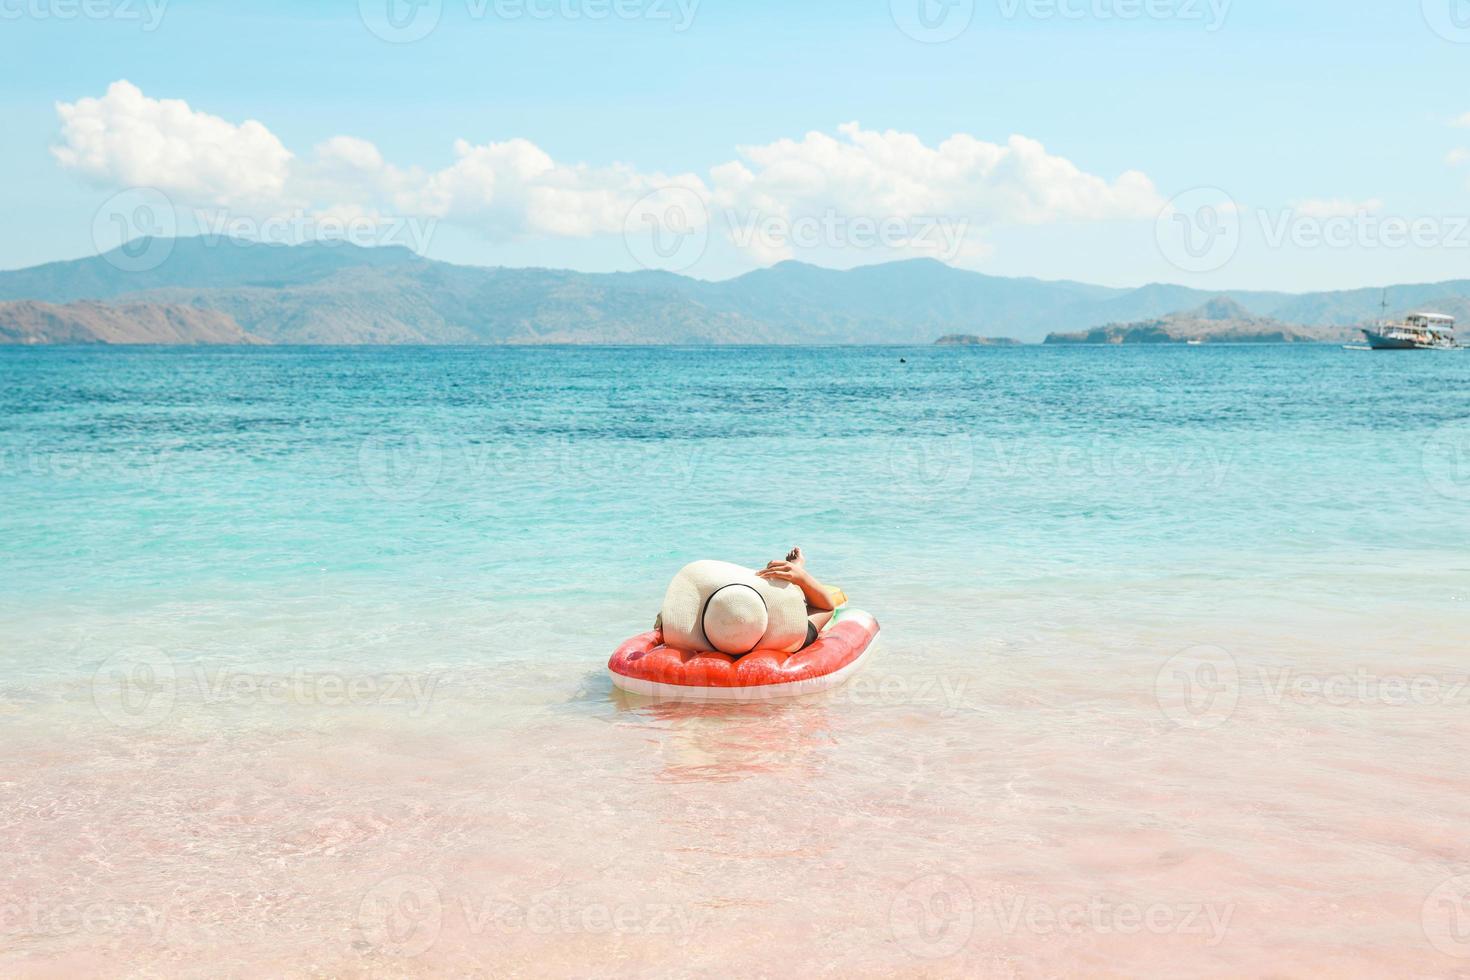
(136, 228)
(1362, 688)
(1210, 921)
(1363, 229)
(669, 229)
(1212, 14)
(1202, 687)
(302, 227)
(140, 687)
(405, 915)
(755, 230)
(408, 466)
(407, 21)
(144, 468)
(935, 916)
(944, 693)
(35, 918)
(939, 466)
(940, 21)
(315, 689)
(147, 13)
(1202, 230)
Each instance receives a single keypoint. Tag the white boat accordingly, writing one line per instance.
(1417, 331)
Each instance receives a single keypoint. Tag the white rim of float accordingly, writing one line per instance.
(763, 692)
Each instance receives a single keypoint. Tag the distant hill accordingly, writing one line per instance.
(202, 262)
(1219, 321)
(431, 303)
(970, 340)
(29, 322)
(343, 294)
(1358, 306)
(908, 302)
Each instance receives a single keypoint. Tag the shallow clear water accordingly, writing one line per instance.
(301, 662)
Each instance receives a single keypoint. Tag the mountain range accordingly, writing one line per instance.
(330, 293)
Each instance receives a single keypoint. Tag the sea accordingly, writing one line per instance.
(303, 663)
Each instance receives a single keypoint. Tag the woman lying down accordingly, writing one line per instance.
(717, 607)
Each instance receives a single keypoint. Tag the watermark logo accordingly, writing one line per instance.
(134, 229)
(933, 917)
(668, 229)
(135, 688)
(401, 21)
(932, 467)
(1446, 460)
(402, 467)
(1450, 19)
(1199, 231)
(1446, 917)
(1199, 688)
(933, 21)
(401, 916)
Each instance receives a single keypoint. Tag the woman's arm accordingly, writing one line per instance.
(818, 597)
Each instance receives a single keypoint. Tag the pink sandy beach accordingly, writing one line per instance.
(936, 818)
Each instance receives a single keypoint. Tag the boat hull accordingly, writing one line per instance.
(1378, 341)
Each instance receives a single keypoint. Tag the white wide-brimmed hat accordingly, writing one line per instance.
(714, 606)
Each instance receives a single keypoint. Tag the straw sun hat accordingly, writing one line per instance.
(713, 606)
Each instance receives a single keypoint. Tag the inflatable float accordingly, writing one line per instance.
(644, 665)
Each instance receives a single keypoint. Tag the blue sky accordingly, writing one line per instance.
(1313, 121)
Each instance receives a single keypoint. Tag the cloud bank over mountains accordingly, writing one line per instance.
(514, 190)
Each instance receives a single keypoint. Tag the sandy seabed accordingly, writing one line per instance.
(1205, 814)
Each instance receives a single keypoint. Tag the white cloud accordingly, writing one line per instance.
(1463, 122)
(937, 198)
(130, 139)
(515, 189)
(1336, 207)
(892, 173)
(351, 153)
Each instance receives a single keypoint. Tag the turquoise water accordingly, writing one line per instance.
(1039, 531)
(570, 483)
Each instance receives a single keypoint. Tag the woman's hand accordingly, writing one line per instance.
(784, 571)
